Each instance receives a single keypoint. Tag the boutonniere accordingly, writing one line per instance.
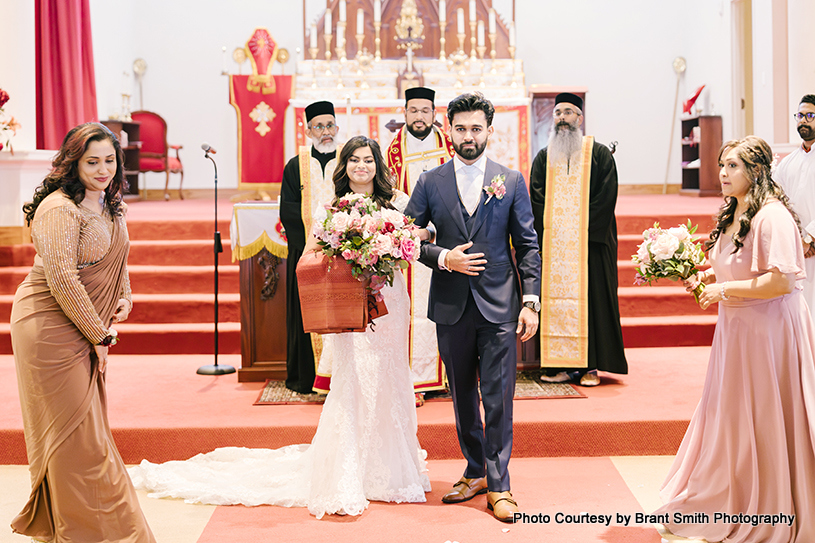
(496, 188)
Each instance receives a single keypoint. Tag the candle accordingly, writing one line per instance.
(377, 10)
(313, 36)
(442, 11)
(360, 20)
(342, 10)
(481, 33)
(492, 21)
(512, 34)
(328, 21)
(460, 27)
(340, 35)
(472, 11)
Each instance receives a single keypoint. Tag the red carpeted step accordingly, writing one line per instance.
(152, 279)
(657, 301)
(174, 338)
(636, 224)
(11, 277)
(197, 252)
(176, 279)
(178, 229)
(167, 308)
(677, 330)
(194, 252)
(17, 255)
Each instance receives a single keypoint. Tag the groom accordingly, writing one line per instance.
(479, 208)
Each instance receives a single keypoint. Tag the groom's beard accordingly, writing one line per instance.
(565, 140)
(472, 151)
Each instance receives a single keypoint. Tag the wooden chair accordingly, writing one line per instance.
(154, 155)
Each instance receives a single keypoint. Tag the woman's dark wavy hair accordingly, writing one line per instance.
(757, 158)
(65, 170)
(383, 182)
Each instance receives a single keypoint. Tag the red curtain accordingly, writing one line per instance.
(66, 88)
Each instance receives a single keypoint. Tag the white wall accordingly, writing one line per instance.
(623, 52)
(17, 69)
(181, 42)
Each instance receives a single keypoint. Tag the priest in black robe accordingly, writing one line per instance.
(322, 130)
(605, 340)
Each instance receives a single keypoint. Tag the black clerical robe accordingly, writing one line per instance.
(300, 365)
(605, 333)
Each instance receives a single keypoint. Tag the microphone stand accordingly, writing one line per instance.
(215, 369)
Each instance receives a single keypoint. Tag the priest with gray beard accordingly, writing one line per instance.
(573, 186)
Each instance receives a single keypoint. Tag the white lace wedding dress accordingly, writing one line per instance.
(365, 447)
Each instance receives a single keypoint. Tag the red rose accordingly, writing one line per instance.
(3, 97)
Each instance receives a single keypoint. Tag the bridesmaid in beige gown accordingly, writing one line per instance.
(60, 331)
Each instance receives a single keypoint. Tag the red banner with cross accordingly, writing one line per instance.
(260, 101)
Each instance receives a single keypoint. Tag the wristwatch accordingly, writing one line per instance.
(534, 306)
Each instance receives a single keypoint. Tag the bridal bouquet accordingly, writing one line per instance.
(375, 242)
(671, 253)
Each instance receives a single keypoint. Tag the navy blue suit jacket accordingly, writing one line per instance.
(497, 224)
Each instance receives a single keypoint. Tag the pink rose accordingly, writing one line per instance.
(4, 97)
(408, 247)
(383, 245)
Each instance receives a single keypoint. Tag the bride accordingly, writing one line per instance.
(365, 447)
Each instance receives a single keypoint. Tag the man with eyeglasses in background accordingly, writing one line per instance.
(573, 186)
(420, 146)
(308, 181)
(796, 174)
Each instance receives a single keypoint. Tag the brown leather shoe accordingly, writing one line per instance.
(502, 505)
(466, 489)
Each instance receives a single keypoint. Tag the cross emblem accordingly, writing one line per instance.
(262, 114)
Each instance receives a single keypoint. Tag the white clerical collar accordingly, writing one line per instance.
(481, 163)
(421, 145)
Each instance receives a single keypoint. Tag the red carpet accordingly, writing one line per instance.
(549, 486)
(160, 409)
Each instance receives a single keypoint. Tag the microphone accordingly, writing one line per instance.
(208, 148)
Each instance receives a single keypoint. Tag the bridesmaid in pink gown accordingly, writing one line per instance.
(750, 448)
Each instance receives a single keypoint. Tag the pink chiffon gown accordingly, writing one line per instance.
(750, 446)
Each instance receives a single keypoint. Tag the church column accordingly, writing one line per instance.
(801, 16)
(772, 113)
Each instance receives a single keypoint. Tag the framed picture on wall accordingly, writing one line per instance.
(543, 103)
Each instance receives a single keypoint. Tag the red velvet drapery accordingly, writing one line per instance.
(66, 88)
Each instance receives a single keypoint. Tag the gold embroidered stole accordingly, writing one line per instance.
(317, 189)
(401, 162)
(565, 262)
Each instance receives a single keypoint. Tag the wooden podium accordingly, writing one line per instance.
(255, 233)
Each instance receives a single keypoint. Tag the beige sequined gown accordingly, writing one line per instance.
(80, 488)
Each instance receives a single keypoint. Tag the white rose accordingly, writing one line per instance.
(680, 232)
(664, 247)
(339, 222)
(643, 255)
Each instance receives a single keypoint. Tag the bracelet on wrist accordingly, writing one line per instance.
(723, 293)
(111, 339)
